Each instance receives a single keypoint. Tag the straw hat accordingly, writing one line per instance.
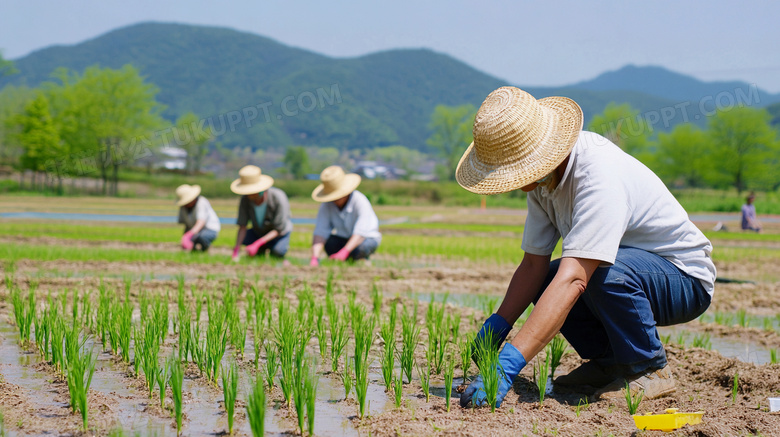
(517, 140)
(335, 184)
(186, 194)
(251, 180)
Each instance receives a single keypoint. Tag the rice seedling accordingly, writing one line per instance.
(311, 384)
(582, 404)
(57, 329)
(768, 324)
(773, 356)
(24, 313)
(735, 388)
(681, 338)
(271, 364)
(488, 304)
(216, 339)
(557, 351)
(466, 347)
(387, 355)
(346, 378)
(42, 334)
(104, 313)
(80, 369)
(338, 337)
(123, 322)
(703, 341)
(258, 340)
(742, 318)
(230, 392)
(398, 388)
(149, 349)
(299, 389)
(449, 373)
(541, 371)
(453, 323)
(410, 335)
(487, 361)
(163, 377)
(364, 337)
(255, 409)
(722, 318)
(425, 380)
(633, 401)
(376, 299)
(666, 339)
(322, 341)
(286, 342)
(176, 373)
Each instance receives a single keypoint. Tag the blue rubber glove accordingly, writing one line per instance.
(500, 329)
(510, 363)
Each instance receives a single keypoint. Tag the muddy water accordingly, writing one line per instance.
(741, 350)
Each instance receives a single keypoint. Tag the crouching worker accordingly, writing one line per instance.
(631, 261)
(347, 227)
(201, 224)
(267, 208)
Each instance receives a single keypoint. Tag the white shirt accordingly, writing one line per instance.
(201, 211)
(607, 199)
(357, 217)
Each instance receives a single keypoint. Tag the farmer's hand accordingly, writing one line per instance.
(315, 262)
(186, 241)
(496, 328)
(252, 249)
(236, 255)
(341, 255)
(510, 363)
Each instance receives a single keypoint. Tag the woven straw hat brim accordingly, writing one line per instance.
(188, 197)
(348, 185)
(563, 125)
(263, 184)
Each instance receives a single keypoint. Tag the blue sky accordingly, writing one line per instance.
(526, 43)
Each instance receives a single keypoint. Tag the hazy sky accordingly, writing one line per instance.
(526, 43)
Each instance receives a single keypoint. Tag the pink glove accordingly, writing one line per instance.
(252, 249)
(235, 253)
(314, 262)
(341, 255)
(186, 241)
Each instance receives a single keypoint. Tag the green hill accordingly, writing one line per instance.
(375, 100)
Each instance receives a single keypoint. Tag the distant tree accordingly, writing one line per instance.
(744, 148)
(6, 67)
(683, 155)
(13, 100)
(107, 117)
(297, 161)
(451, 128)
(624, 126)
(188, 134)
(39, 137)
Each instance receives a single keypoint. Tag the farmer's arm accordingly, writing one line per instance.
(552, 308)
(318, 243)
(353, 242)
(524, 286)
(322, 228)
(199, 224)
(273, 233)
(240, 236)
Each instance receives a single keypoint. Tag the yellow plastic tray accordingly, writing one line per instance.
(668, 422)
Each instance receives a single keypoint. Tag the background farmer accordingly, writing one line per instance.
(347, 226)
(631, 257)
(267, 208)
(749, 220)
(201, 224)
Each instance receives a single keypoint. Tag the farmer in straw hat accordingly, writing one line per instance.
(201, 224)
(631, 257)
(267, 208)
(347, 226)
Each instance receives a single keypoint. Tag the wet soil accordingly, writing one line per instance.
(37, 403)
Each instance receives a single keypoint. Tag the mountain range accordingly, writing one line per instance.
(380, 99)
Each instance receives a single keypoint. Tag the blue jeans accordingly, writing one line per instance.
(278, 246)
(204, 238)
(363, 251)
(615, 319)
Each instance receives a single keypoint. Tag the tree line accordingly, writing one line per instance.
(739, 148)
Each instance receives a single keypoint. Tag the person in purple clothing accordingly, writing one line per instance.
(749, 221)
